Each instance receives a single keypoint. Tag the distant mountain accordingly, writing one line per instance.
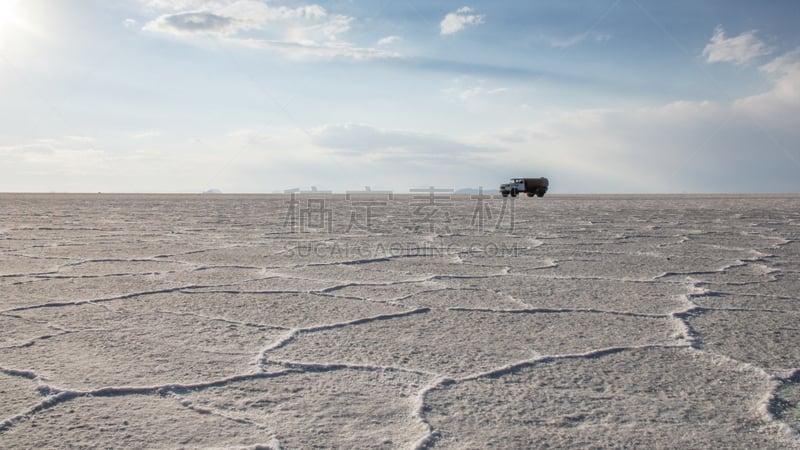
(212, 191)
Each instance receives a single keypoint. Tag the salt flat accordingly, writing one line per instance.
(419, 321)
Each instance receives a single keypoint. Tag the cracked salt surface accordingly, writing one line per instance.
(199, 322)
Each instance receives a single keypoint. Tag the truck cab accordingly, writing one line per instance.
(530, 186)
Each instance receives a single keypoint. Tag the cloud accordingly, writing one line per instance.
(479, 90)
(313, 50)
(65, 155)
(28, 152)
(338, 157)
(246, 15)
(194, 23)
(305, 31)
(67, 164)
(457, 21)
(144, 134)
(389, 40)
(79, 139)
(780, 106)
(744, 145)
(738, 50)
(491, 70)
(458, 90)
(183, 5)
(579, 38)
(355, 139)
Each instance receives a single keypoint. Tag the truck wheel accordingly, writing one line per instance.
(514, 192)
(505, 194)
(530, 194)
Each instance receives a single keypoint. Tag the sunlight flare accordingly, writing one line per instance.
(9, 14)
(13, 18)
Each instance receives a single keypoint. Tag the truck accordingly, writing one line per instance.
(529, 186)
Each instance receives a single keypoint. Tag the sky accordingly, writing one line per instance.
(252, 96)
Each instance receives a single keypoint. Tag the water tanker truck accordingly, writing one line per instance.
(529, 186)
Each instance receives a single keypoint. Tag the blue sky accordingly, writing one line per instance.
(618, 96)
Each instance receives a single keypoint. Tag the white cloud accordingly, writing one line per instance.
(145, 134)
(184, 5)
(388, 40)
(746, 145)
(350, 139)
(66, 164)
(457, 21)
(780, 106)
(249, 137)
(738, 50)
(246, 15)
(579, 38)
(316, 31)
(787, 63)
(79, 139)
(465, 94)
(305, 31)
(313, 50)
(64, 156)
(345, 156)
(194, 23)
(464, 89)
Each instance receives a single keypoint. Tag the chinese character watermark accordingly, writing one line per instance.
(315, 216)
(483, 212)
(366, 200)
(367, 211)
(427, 206)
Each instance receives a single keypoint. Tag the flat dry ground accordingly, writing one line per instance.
(411, 322)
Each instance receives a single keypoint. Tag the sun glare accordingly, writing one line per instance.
(8, 12)
(11, 16)
(14, 22)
